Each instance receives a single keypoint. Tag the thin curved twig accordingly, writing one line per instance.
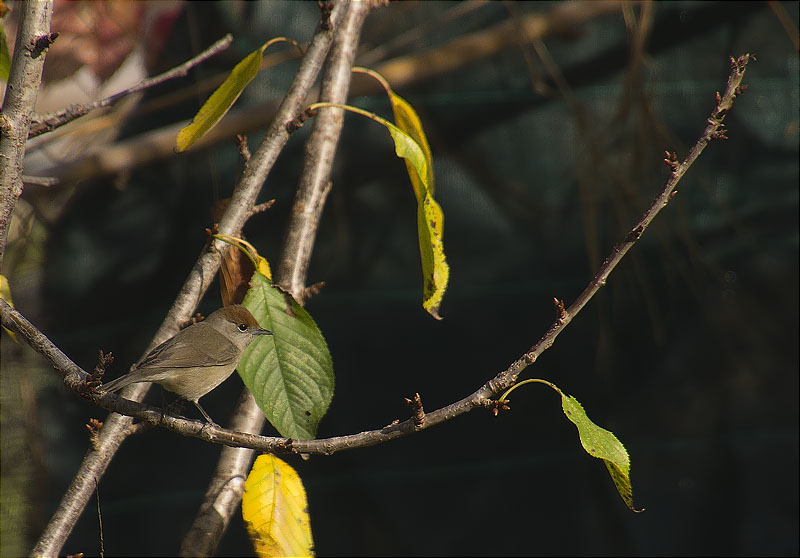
(49, 122)
(480, 398)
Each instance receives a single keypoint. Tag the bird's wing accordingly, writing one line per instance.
(191, 348)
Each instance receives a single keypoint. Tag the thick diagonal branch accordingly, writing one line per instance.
(24, 80)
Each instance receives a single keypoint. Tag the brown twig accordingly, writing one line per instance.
(244, 149)
(39, 45)
(311, 290)
(93, 427)
(480, 398)
(40, 180)
(262, 207)
(715, 123)
(49, 122)
(417, 412)
(104, 360)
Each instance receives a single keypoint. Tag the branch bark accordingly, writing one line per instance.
(320, 149)
(22, 88)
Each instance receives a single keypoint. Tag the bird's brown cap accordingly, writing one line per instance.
(238, 314)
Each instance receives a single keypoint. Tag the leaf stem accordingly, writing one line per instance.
(528, 381)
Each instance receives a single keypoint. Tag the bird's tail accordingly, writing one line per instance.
(119, 383)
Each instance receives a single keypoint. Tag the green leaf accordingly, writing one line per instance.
(290, 373)
(221, 100)
(602, 444)
(5, 294)
(598, 442)
(275, 509)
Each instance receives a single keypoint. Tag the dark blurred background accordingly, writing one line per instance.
(546, 151)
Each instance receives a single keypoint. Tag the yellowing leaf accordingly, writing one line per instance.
(221, 100)
(598, 442)
(407, 120)
(430, 218)
(430, 225)
(5, 56)
(259, 262)
(275, 509)
(5, 294)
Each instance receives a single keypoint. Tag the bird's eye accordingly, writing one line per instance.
(242, 327)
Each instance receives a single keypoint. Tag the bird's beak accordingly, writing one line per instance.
(262, 331)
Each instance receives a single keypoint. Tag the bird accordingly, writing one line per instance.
(198, 358)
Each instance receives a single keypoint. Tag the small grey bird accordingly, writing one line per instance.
(198, 358)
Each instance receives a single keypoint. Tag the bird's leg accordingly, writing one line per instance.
(208, 418)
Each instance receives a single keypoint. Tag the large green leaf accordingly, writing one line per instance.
(290, 373)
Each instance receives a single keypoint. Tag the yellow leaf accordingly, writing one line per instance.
(5, 294)
(275, 510)
(430, 219)
(430, 224)
(407, 120)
